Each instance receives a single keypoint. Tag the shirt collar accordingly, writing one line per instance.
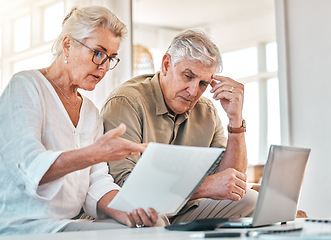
(161, 107)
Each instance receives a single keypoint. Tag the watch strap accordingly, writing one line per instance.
(239, 129)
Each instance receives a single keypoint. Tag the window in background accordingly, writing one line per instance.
(271, 56)
(273, 111)
(237, 65)
(251, 114)
(273, 95)
(263, 122)
(22, 34)
(35, 62)
(53, 17)
(30, 51)
(240, 63)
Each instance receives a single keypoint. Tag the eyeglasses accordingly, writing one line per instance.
(100, 58)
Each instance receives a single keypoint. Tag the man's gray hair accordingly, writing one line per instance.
(81, 22)
(195, 46)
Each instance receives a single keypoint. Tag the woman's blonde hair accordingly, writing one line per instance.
(81, 22)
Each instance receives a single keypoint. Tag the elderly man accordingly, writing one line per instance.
(168, 107)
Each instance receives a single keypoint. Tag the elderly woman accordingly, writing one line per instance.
(52, 149)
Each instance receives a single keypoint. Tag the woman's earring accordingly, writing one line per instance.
(65, 60)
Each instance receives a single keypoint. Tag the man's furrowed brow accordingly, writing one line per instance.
(191, 72)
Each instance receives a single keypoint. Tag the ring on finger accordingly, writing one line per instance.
(139, 225)
(231, 89)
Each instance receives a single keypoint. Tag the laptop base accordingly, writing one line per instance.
(238, 223)
(243, 223)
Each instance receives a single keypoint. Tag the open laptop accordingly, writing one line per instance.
(280, 188)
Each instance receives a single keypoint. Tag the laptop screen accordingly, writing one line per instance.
(281, 185)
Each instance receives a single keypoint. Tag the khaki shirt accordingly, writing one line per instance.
(139, 104)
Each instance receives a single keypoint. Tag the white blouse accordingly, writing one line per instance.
(34, 130)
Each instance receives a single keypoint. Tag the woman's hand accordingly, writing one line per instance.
(137, 218)
(111, 147)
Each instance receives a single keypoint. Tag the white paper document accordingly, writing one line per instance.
(165, 177)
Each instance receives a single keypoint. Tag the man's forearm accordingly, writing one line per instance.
(236, 154)
(203, 189)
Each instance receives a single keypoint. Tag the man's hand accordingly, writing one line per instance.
(231, 95)
(229, 184)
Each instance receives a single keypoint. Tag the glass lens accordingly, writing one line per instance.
(112, 62)
(99, 57)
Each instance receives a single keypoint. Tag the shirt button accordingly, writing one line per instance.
(76, 133)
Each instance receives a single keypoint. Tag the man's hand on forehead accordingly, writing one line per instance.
(231, 95)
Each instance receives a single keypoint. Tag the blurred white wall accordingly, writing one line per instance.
(304, 37)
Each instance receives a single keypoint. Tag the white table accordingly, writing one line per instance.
(309, 229)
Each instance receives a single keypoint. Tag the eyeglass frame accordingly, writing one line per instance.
(95, 52)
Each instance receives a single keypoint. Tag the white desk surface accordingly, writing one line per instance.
(311, 230)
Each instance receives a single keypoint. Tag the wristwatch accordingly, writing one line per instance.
(239, 129)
